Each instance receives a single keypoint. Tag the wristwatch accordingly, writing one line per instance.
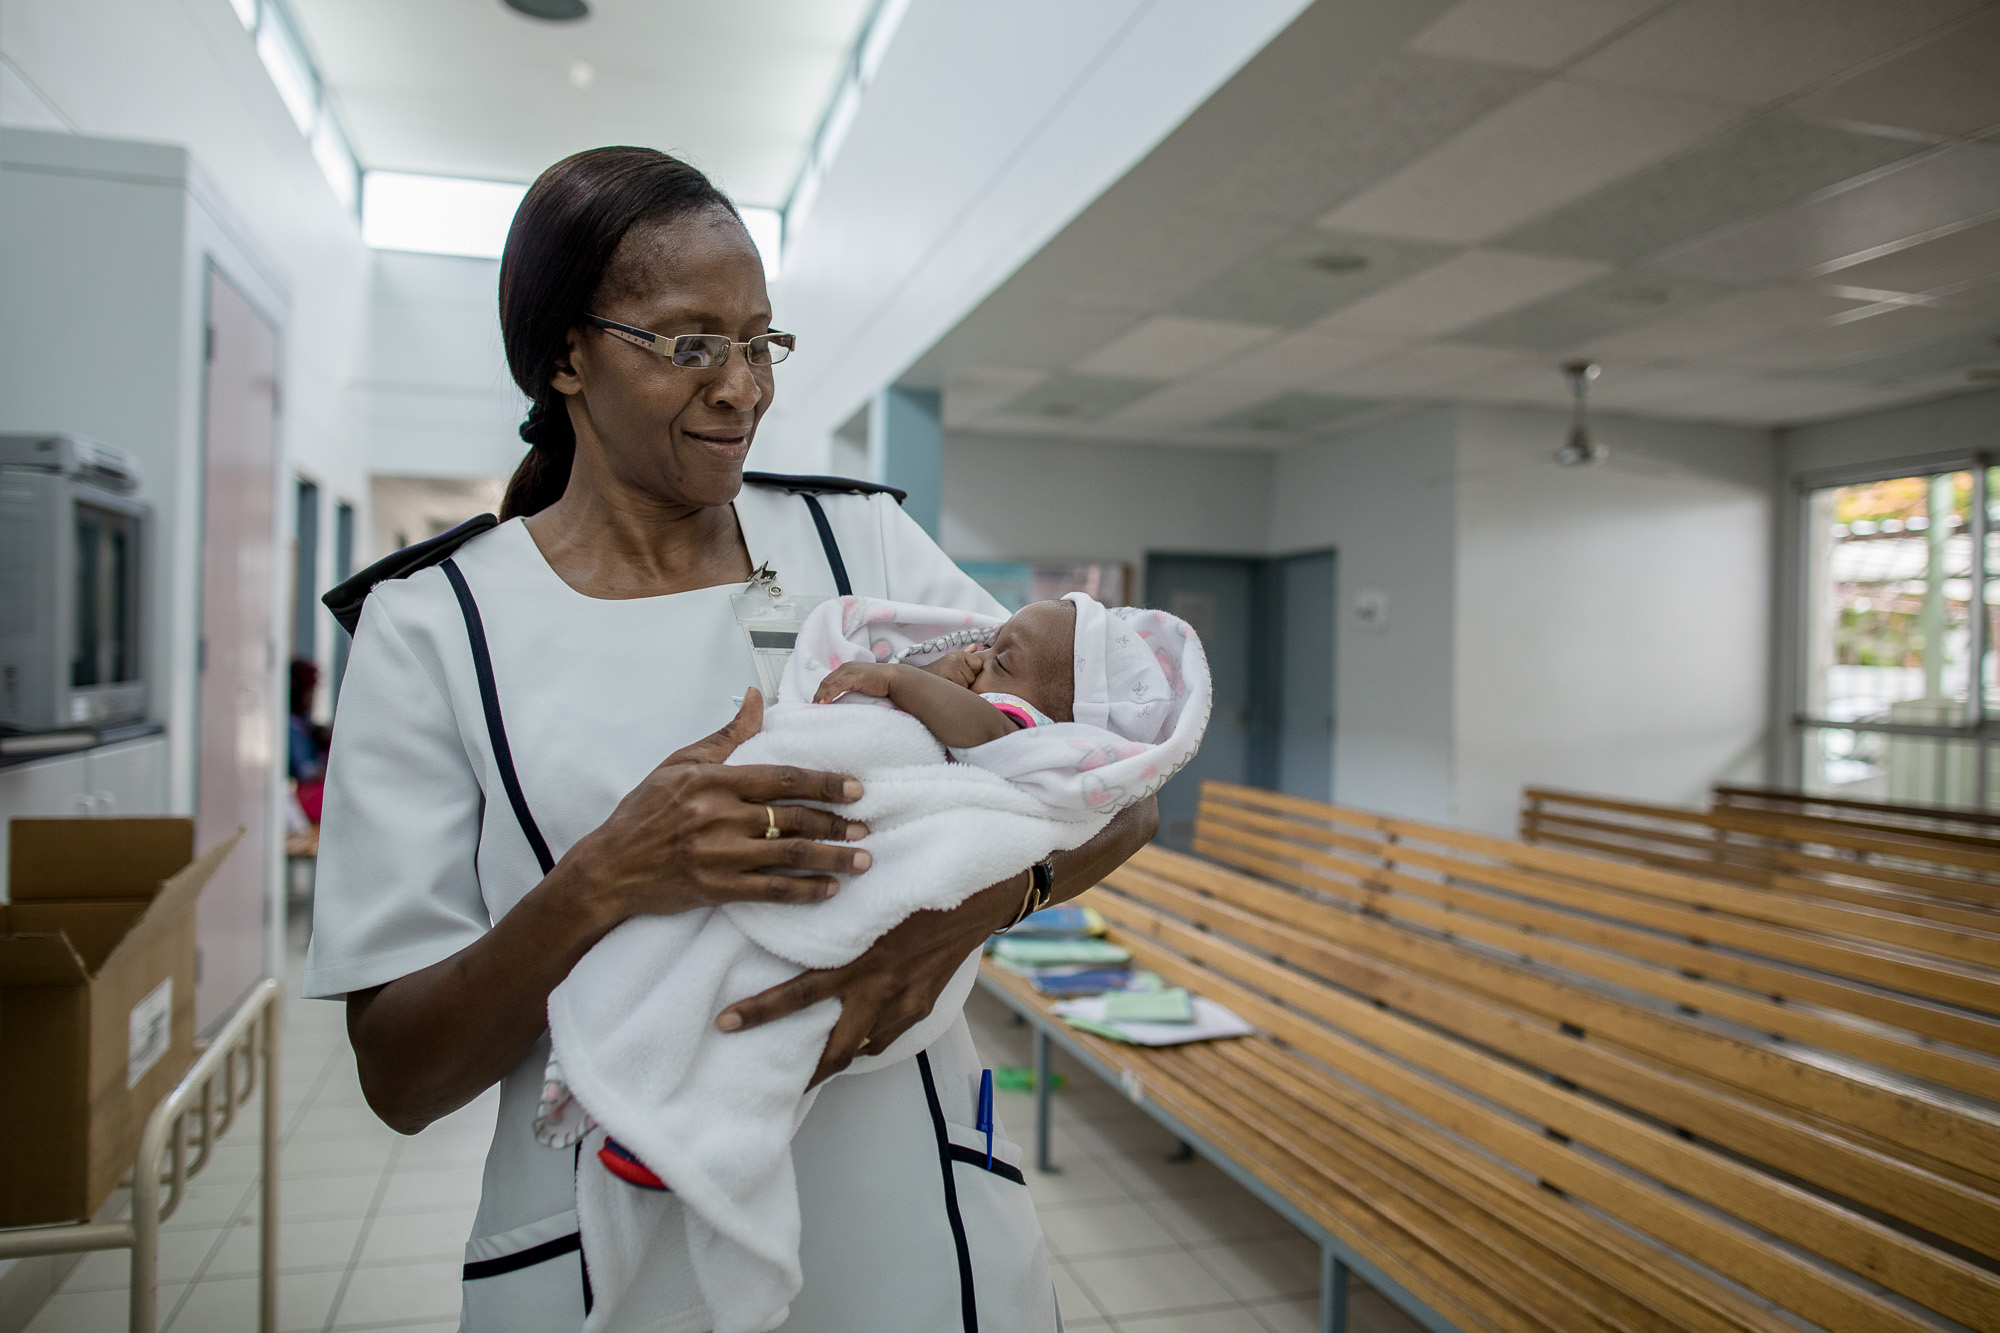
(1044, 872)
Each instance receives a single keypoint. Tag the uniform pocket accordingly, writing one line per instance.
(527, 1280)
(968, 1146)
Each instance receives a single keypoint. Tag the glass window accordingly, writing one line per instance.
(1891, 639)
(285, 60)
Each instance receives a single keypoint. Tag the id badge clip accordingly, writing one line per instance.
(770, 618)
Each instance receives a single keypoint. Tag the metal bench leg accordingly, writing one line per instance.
(1332, 1292)
(1045, 1078)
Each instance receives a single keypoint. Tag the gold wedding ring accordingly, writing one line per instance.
(772, 815)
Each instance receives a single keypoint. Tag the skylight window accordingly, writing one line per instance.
(767, 230)
(285, 61)
(437, 215)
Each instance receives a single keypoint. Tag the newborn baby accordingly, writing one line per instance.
(1073, 712)
(1024, 678)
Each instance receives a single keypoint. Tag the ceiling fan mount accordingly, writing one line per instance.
(1581, 449)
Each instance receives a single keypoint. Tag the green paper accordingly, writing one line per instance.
(1095, 1028)
(1149, 1006)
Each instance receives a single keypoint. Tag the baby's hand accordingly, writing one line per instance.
(856, 678)
(960, 667)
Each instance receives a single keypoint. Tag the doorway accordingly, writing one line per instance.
(1267, 626)
(237, 737)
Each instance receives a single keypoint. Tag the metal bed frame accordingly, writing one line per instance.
(211, 1092)
(1336, 1258)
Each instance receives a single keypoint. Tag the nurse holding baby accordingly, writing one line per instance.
(530, 753)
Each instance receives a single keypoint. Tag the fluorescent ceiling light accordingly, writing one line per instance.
(767, 231)
(247, 11)
(438, 215)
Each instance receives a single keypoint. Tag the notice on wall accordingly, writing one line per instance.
(151, 1032)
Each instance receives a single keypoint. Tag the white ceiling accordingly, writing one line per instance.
(1752, 211)
(472, 88)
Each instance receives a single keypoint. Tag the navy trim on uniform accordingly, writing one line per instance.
(528, 1258)
(977, 1157)
(346, 599)
(968, 1304)
(806, 485)
(496, 730)
(833, 560)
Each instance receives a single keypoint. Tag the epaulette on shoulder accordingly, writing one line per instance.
(822, 485)
(346, 599)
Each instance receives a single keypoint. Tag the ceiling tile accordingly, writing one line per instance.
(1168, 347)
(1959, 256)
(1943, 357)
(1950, 85)
(1612, 302)
(1306, 275)
(1462, 290)
(971, 396)
(1533, 34)
(1420, 370)
(1538, 152)
(1078, 397)
(1724, 325)
(1937, 190)
(1782, 401)
(1541, 386)
(1751, 51)
(1291, 413)
(1367, 126)
(1299, 361)
(1748, 170)
(1856, 338)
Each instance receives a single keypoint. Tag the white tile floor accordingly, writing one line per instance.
(372, 1224)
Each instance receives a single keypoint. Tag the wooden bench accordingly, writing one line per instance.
(1977, 826)
(1516, 1092)
(1952, 878)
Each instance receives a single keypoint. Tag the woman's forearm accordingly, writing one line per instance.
(1130, 830)
(428, 1043)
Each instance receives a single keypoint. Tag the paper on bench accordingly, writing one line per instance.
(1211, 1021)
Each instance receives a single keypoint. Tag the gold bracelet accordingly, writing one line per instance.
(1027, 905)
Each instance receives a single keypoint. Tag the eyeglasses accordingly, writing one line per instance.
(701, 351)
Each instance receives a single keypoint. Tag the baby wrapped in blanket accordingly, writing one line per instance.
(1073, 713)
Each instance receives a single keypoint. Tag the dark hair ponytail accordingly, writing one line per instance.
(564, 233)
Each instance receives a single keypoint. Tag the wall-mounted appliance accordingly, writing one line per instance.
(72, 584)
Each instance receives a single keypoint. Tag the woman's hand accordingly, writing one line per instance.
(690, 835)
(697, 833)
(890, 988)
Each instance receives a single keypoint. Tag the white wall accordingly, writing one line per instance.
(435, 393)
(1611, 623)
(186, 74)
(1383, 497)
(1008, 497)
(956, 170)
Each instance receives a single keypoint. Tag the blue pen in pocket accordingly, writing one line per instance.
(984, 1123)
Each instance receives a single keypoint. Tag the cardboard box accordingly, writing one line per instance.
(96, 1001)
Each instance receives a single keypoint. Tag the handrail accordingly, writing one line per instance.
(250, 1030)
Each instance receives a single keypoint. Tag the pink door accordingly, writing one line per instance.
(238, 728)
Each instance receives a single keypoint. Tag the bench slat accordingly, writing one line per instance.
(1822, 1295)
(1541, 937)
(1909, 1013)
(1895, 1187)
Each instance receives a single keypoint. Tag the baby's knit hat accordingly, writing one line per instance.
(1132, 669)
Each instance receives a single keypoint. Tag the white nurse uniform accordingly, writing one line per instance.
(905, 1229)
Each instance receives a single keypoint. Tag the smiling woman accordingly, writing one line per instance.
(531, 752)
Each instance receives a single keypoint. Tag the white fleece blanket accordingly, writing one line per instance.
(713, 1113)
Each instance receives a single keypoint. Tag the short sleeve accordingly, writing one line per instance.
(397, 885)
(917, 569)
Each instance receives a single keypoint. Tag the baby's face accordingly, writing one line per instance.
(1033, 658)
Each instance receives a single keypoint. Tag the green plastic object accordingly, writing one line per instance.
(1017, 1078)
